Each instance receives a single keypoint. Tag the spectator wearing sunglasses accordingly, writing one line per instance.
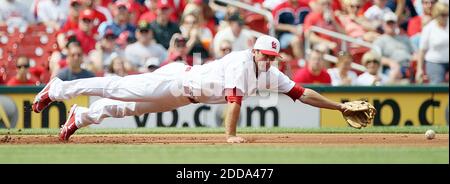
(373, 75)
(23, 76)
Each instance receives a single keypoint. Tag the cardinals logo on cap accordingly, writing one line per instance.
(268, 45)
(274, 45)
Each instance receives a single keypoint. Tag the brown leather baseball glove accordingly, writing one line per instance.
(359, 113)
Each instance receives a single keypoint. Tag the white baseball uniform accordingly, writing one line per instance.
(171, 86)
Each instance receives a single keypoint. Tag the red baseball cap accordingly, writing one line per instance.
(163, 4)
(87, 14)
(268, 45)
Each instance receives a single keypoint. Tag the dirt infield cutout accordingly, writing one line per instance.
(441, 140)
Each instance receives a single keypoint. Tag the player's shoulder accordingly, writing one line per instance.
(237, 60)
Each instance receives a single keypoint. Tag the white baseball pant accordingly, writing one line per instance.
(159, 91)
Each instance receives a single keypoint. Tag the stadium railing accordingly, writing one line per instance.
(344, 46)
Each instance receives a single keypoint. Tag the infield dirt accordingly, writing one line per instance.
(441, 140)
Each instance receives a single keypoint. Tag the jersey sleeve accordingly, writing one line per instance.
(277, 81)
(285, 85)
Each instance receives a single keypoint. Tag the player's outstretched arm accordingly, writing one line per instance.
(357, 114)
(231, 118)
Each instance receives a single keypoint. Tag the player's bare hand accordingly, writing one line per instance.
(236, 139)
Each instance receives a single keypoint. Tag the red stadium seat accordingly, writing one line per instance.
(37, 28)
(42, 40)
(9, 67)
(35, 53)
(35, 42)
(42, 60)
(8, 42)
(3, 29)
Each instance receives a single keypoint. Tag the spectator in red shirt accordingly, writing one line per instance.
(101, 14)
(314, 72)
(71, 23)
(23, 76)
(289, 17)
(84, 32)
(416, 23)
(323, 18)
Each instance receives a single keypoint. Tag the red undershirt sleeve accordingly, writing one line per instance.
(233, 95)
(296, 92)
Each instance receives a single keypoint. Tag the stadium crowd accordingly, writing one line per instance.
(74, 39)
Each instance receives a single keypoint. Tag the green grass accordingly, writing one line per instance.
(413, 130)
(209, 154)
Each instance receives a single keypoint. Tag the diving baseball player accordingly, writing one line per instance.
(228, 80)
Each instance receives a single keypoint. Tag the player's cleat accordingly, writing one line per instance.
(69, 127)
(42, 100)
